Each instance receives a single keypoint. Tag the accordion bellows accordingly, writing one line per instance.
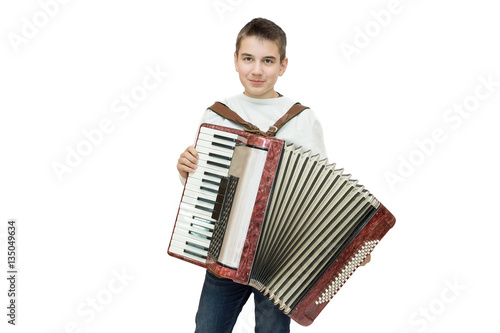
(267, 214)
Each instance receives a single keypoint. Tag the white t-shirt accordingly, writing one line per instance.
(304, 130)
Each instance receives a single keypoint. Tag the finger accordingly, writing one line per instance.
(367, 260)
(187, 158)
(193, 152)
(185, 162)
(186, 169)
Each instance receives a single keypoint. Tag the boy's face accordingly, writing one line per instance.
(258, 65)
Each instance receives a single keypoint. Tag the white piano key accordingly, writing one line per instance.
(214, 148)
(195, 187)
(207, 176)
(195, 201)
(180, 251)
(180, 247)
(202, 171)
(196, 194)
(211, 131)
(197, 212)
(189, 227)
(203, 167)
(219, 144)
(219, 166)
(195, 231)
(213, 159)
(190, 220)
(199, 183)
(224, 140)
(204, 150)
(201, 220)
(183, 236)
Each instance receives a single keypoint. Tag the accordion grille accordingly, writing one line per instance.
(313, 214)
(221, 224)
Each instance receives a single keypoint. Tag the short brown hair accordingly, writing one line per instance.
(264, 29)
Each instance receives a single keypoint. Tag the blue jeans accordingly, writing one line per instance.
(221, 302)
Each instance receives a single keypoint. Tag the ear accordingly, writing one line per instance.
(283, 66)
(236, 61)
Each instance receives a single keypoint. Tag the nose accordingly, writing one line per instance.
(257, 68)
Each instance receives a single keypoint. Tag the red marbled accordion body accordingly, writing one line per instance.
(327, 285)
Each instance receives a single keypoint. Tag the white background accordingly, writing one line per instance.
(115, 211)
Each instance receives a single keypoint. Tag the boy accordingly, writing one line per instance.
(259, 59)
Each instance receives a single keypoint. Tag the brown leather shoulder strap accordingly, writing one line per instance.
(224, 111)
(294, 110)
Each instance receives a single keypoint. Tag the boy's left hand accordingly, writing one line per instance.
(367, 260)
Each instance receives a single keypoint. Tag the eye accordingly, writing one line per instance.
(247, 59)
(268, 61)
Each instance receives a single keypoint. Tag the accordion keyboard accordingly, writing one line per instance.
(201, 202)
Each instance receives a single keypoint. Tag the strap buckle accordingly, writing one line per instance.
(272, 129)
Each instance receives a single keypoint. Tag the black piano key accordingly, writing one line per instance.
(196, 246)
(220, 156)
(218, 136)
(213, 175)
(195, 210)
(204, 208)
(220, 198)
(196, 226)
(208, 189)
(217, 164)
(223, 183)
(222, 146)
(219, 201)
(195, 254)
(206, 200)
(210, 182)
(194, 233)
(217, 211)
(197, 218)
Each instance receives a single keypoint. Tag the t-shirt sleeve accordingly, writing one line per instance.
(318, 140)
(306, 131)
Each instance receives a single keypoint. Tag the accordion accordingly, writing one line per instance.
(267, 214)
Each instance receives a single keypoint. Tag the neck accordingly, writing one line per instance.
(274, 94)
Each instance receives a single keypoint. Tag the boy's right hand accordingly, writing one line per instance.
(187, 162)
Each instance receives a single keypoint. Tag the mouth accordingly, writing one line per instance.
(256, 82)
